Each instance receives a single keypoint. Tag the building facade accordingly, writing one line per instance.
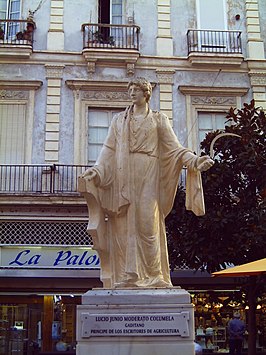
(65, 65)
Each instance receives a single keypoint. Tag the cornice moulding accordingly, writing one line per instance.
(208, 90)
(99, 85)
(21, 84)
(84, 85)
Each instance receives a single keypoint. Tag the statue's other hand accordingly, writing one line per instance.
(204, 163)
(89, 174)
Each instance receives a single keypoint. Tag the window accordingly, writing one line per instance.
(10, 10)
(16, 120)
(212, 23)
(210, 121)
(116, 16)
(209, 102)
(14, 9)
(116, 10)
(3, 9)
(12, 133)
(99, 122)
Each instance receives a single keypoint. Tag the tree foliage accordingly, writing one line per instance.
(233, 229)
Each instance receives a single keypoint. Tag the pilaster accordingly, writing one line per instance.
(258, 83)
(164, 38)
(256, 53)
(54, 75)
(55, 39)
(255, 45)
(165, 79)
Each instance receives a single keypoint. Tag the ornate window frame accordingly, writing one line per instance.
(211, 99)
(22, 92)
(93, 94)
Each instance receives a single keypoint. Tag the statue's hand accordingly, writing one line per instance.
(204, 163)
(90, 174)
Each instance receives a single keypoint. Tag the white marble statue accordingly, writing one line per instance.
(131, 190)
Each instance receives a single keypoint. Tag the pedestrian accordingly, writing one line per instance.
(236, 330)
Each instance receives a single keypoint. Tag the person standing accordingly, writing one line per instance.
(236, 330)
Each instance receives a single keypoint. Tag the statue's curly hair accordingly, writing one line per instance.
(145, 86)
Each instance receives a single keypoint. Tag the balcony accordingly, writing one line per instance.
(40, 179)
(117, 44)
(214, 47)
(16, 38)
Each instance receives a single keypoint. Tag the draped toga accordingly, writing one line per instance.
(138, 171)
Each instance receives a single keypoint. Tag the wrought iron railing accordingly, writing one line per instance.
(40, 178)
(214, 41)
(96, 35)
(45, 179)
(17, 32)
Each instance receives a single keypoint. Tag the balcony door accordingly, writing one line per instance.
(110, 12)
(211, 15)
(212, 19)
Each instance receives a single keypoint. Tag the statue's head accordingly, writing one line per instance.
(144, 85)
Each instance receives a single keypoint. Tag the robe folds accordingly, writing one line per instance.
(138, 171)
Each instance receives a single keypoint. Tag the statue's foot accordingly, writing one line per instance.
(126, 284)
(157, 282)
(144, 283)
(161, 283)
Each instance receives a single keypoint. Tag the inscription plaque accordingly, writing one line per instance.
(159, 324)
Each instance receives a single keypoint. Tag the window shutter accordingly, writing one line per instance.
(12, 133)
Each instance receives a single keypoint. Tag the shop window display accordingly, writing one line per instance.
(22, 326)
(213, 311)
(15, 330)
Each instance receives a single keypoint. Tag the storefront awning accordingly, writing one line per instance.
(254, 268)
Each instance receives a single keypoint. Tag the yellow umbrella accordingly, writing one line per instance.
(254, 268)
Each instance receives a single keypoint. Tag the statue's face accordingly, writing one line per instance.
(136, 95)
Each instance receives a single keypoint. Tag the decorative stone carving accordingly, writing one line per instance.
(54, 71)
(76, 94)
(130, 69)
(258, 79)
(165, 76)
(91, 67)
(105, 95)
(213, 100)
(121, 58)
(11, 95)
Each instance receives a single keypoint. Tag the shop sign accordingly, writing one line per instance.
(56, 257)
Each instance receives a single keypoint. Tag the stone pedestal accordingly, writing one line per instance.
(135, 322)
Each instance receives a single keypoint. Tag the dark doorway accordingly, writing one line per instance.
(104, 18)
(104, 11)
